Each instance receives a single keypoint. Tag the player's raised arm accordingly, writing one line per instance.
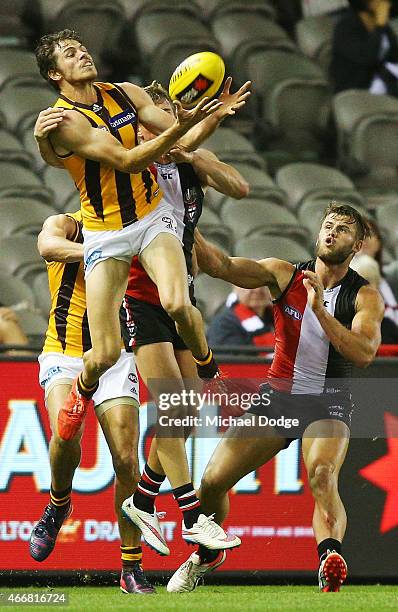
(56, 240)
(47, 121)
(75, 134)
(360, 343)
(214, 173)
(241, 271)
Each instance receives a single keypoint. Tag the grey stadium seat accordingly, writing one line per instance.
(314, 37)
(240, 34)
(13, 290)
(294, 95)
(99, 23)
(61, 184)
(16, 180)
(21, 102)
(302, 180)
(230, 146)
(211, 294)
(213, 8)
(138, 7)
(387, 219)
(11, 150)
(33, 323)
(22, 216)
(19, 256)
(250, 216)
(260, 247)
(42, 293)
(166, 59)
(15, 63)
(367, 127)
(213, 230)
(312, 210)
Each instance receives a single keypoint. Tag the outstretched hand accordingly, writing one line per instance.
(188, 118)
(233, 101)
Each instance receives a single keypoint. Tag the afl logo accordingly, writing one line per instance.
(292, 312)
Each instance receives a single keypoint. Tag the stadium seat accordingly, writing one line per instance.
(214, 8)
(314, 37)
(138, 7)
(33, 324)
(99, 23)
(16, 180)
(231, 146)
(21, 102)
(387, 219)
(14, 291)
(213, 230)
(367, 127)
(11, 150)
(239, 34)
(157, 32)
(251, 216)
(259, 247)
(167, 58)
(311, 211)
(22, 216)
(19, 256)
(61, 184)
(301, 180)
(293, 95)
(15, 63)
(211, 294)
(30, 146)
(42, 293)
(72, 204)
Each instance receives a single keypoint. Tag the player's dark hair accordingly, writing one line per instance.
(345, 210)
(159, 94)
(45, 52)
(358, 5)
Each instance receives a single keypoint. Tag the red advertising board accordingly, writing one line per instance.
(271, 510)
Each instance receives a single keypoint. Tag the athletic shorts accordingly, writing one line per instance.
(120, 382)
(333, 404)
(131, 240)
(144, 323)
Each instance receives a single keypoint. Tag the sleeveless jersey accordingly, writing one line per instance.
(68, 330)
(304, 356)
(110, 199)
(181, 188)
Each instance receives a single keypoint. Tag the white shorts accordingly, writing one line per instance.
(131, 240)
(120, 381)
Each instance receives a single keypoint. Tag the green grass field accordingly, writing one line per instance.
(225, 599)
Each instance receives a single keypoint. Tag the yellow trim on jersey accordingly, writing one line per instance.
(111, 200)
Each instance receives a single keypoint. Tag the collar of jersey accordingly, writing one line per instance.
(99, 101)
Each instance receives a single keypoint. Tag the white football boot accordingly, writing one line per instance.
(209, 534)
(148, 524)
(186, 578)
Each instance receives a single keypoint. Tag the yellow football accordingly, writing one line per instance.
(199, 75)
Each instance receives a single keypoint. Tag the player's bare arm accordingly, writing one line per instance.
(75, 134)
(47, 121)
(241, 271)
(214, 173)
(360, 343)
(56, 240)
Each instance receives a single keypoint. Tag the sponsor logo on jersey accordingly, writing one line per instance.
(97, 108)
(121, 119)
(292, 312)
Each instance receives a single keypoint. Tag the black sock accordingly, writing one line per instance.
(327, 546)
(147, 490)
(130, 555)
(206, 555)
(60, 500)
(84, 389)
(188, 503)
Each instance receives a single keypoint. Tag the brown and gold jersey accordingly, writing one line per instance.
(110, 199)
(68, 330)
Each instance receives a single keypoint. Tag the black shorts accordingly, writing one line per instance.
(306, 409)
(144, 323)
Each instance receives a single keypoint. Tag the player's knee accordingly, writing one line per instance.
(105, 359)
(211, 484)
(126, 469)
(178, 310)
(322, 478)
(65, 446)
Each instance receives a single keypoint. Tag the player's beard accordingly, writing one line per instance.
(335, 257)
